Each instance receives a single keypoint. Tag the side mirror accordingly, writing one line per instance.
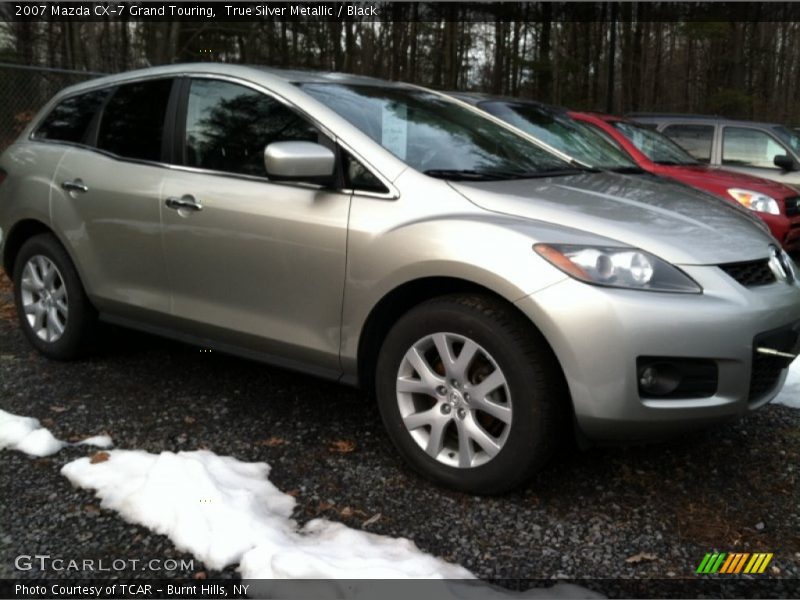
(784, 162)
(299, 161)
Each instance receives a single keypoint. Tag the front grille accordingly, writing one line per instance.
(792, 206)
(750, 274)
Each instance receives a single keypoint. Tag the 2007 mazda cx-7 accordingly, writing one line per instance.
(492, 292)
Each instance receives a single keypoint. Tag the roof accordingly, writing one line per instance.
(597, 115)
(285, 76)
(476, 98)
(659, 117)
(308, 76)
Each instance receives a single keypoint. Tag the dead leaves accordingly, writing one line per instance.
(342, 446)
(640, 558)
(346, 513)
(272, 442)
(8, 312)
(99, 457)
(372, 520)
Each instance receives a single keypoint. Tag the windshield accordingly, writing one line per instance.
(655, 146)
(788, 136)
(435, 135)
(562, 133)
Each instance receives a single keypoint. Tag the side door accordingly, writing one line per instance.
(256, 265)
(752, 150)
(107, 203)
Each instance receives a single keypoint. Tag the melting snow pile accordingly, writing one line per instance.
(224, 512)
(790, 395)
(227, 512)
(27, 435)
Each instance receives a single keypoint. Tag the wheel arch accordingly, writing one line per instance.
(403, 298)
(21, 232)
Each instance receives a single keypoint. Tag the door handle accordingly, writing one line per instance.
(76, 185)
(186, 201)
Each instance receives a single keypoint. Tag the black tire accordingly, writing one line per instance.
(78, 337)
(538, 393)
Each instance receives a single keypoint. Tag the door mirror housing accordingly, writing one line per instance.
(299, 161)
(784, 162)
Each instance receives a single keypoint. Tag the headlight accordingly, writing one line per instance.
(617, 267)
(755, 201)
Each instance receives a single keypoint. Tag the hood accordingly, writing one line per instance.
(703, 176)
(669, 220)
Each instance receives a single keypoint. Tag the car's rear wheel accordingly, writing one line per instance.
(470, 393)
(53, 310)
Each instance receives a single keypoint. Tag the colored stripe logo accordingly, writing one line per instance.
(734, 563)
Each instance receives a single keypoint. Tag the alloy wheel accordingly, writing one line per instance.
(44, 298)
(454, 400)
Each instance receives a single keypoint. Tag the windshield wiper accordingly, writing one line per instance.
(466, 174)
(626, 170)
(675, 163)
(500, 175)
(558, 172)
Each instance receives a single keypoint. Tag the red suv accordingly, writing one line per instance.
(777, 204)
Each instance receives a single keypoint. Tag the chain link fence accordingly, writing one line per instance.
(24, 90)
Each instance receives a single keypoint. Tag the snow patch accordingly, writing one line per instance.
(98, 441)
(27, 435)
(224, 511)
(790, 394)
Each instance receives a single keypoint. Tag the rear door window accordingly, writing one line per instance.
(695, 139)
(229, 125)
(743, 146)
(132, 125)
(69, 120)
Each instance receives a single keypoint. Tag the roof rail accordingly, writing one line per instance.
(633, 115)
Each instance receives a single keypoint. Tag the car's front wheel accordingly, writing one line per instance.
(54, 312)
(470, 393)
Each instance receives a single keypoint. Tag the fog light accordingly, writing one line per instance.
(647, 378)
(662, 377)
(659, 379)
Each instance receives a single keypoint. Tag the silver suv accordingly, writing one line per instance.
(489, 291)
(767, 150)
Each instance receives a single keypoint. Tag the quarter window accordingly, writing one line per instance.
(358, 177)
(70, 119)
(695, 139)
(229, 125)
(132, 125)
(750, 147)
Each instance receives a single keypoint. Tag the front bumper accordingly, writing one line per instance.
(598, 333)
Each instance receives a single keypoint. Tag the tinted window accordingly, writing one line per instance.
(560, 132)
(132, 125)
(788, 136)
(695, 139)
(228, 126)
(749, 147)
(358, 177)
(655, 146)
(70, 119)
(435, 135)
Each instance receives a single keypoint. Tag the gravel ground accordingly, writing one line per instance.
(733, 488)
